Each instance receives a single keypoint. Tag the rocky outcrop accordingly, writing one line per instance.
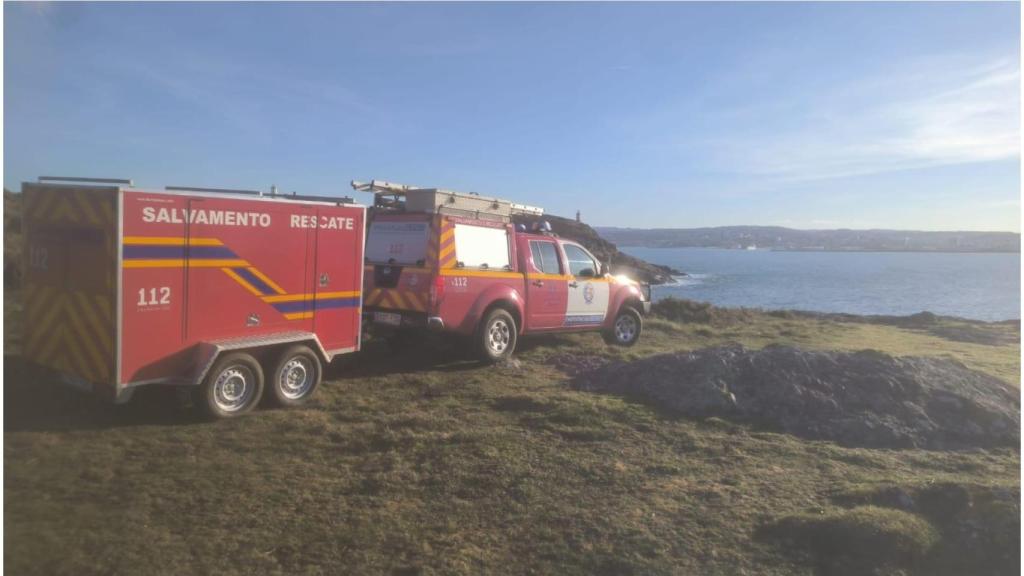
(605, 251)
(855, 399)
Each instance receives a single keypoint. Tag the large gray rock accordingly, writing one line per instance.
(855, 399)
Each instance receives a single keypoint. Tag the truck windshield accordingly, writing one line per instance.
(401, 241)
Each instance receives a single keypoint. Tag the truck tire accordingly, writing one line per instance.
(232, 387)
(626, 328)
(296, 376)
(496, 338)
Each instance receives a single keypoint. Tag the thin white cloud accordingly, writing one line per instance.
(970, 115)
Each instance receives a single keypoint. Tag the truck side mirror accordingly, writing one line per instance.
(604, 268)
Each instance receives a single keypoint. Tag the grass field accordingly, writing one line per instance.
(426, 463)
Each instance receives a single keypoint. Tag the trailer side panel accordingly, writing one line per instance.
(206, 268)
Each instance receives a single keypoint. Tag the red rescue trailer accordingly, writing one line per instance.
(227, 291)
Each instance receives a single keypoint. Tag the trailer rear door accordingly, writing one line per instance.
(70, 282)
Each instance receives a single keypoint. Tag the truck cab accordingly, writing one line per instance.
(472, 272)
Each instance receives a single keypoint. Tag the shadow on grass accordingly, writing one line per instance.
(444, 353)
(378, 358)
(36, 400)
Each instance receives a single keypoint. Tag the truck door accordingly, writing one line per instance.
(588, 293)
(545, 287)
(338, 280)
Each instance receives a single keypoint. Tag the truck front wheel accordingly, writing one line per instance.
(296, 376)
(497, 336)
(232, 387)
(626, 328)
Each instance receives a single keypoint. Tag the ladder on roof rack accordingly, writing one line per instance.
(393, 196)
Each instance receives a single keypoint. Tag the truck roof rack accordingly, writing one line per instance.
(125, 181)
(391, 196)
(214, 190)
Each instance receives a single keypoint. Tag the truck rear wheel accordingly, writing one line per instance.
(497, 336)
(626, 328)
(232, 387)
(296, 376)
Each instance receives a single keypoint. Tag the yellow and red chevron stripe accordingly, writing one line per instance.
(446, 245)
(430, 259)
(397, 299)
(70, 331)
(71, 205)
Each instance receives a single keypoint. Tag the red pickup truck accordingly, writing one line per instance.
(481, 276)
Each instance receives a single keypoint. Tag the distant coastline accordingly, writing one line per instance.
(777, 238)
(864, 250)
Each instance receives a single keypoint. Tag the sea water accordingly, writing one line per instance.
(977, 286)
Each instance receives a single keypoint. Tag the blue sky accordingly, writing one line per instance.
(645, 115)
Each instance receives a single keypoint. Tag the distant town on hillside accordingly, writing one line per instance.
(779, 238)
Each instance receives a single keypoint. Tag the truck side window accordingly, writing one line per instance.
(580, 262)
(482, 246)
(545, 257)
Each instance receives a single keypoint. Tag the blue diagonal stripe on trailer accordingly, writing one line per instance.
(337, 303)
(254, 280)
(294, 306)
(325, 304)
(178, 252)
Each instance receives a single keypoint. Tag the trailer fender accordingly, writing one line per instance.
(208, 352)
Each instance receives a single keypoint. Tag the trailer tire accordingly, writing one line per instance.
(232, 387)
(496, 337)
(626, 328)
(296, 377)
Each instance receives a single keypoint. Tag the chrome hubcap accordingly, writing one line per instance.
(296, 378)
(498, 336)
(625, 328)
(233, 388)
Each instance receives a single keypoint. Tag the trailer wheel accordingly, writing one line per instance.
(233, 386)
(296, 376)
(496, 338)
(625, 331)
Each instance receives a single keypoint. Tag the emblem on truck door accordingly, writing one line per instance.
(588, 293)
(253, 320)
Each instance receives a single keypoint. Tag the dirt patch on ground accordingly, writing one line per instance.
(576, 364)
(865, 398)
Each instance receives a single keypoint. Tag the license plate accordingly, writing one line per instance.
(387, 318)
